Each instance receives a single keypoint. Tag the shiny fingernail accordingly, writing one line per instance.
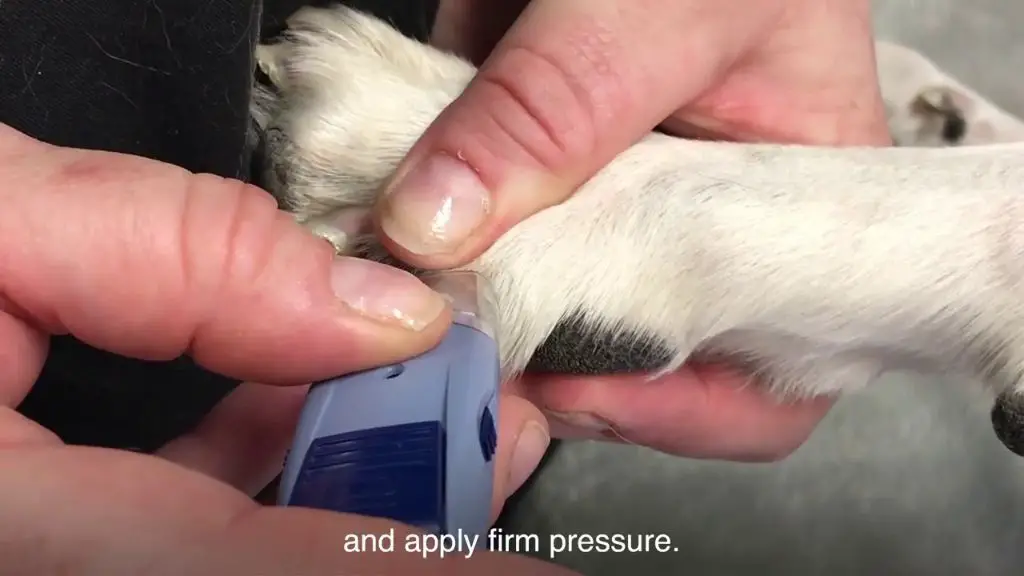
(526, 456)
(435, 207)
(385, 293)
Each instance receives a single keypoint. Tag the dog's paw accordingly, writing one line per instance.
(928, 107)
(348, 96)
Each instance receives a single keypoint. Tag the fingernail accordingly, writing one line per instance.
(526, 456)
(385, 293)
(435, 207)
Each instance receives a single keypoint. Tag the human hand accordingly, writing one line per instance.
(571, 85)
(146, 260)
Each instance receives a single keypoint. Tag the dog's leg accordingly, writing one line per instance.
(814, 267)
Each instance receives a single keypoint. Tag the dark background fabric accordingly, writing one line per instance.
(165, 79)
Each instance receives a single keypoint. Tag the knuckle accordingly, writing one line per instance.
(228, 233)
(552, 103)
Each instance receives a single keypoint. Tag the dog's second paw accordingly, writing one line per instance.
(927, 107)
(942, 121)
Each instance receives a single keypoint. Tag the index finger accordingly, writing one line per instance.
(147, 260)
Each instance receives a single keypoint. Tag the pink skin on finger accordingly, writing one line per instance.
(695, 412)
(522, 440)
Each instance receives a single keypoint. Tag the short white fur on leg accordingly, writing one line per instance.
(815, 268)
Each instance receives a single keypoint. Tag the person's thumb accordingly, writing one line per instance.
(569, 87)
(147, 260)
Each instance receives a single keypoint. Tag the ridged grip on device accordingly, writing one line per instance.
(394, 472)
(413, 442)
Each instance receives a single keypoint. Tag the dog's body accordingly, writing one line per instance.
(813, 268)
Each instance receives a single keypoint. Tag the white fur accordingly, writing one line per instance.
(816, 268)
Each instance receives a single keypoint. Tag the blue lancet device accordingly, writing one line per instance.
(413, 442)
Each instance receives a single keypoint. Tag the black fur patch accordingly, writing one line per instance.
(575, 347)
(265, 170)
(1008, 422)
(258, 160)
